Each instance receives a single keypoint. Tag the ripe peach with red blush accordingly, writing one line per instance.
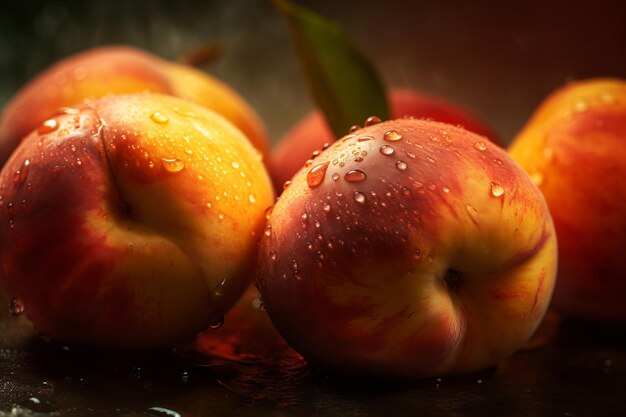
(409, 248)
(574, 147)
(131, 221)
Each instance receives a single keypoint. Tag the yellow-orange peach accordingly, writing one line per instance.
(312, 132)
(574, 147)
(409, 248)
(131, 221)
(114, 70)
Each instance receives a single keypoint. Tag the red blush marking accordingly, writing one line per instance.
(507, 294)
(539, 287)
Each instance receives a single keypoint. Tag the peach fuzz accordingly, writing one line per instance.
(131, 221)
(574, 147)
(408, 248)
(114, 70)
(312, 132)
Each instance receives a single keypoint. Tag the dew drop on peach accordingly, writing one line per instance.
(172, 165)
(159, 117)
(15, 307)
(401, 165)
(481, 146)
(392, 136)
(20, 176)
(359, 197)
(316, 175)
(355, 175)
(48, 126)
(386, 150)
(372, 120)
(497, 190)
(215, 324)
(580, 105)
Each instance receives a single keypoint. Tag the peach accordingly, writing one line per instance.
(113, 70)
(574, 147)
(408, 248)
(131, 221)
(312, 132)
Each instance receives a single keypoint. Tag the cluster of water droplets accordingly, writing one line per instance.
(226, 164)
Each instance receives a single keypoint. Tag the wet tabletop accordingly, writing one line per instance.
(567, 369)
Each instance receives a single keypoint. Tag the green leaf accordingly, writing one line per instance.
(340, 78)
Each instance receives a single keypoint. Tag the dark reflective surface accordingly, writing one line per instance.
(568, 369)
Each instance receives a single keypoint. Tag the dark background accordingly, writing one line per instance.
(498, 58)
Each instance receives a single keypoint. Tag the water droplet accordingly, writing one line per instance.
(359, 197)
(401, 165)
(15, 307)
(358, 159)
(607, 97)
(355, 175)
(268, 230)
(446, 189)
(286, 184)
(481, 146)
(185, 113)
(172, 165)
(406, 192)
(220, 216)
(372, 120)
(580, 105)
(353, 129)
(316, 175)
(273, 255)
(268, 212)
(326, 207)
(258, 304)
(219, 321)
(496, 189)
(335, 177)
(252, 198)
(294, 265)
(235, 164)
(159, 117)
(365, 138)
(386, 150)
(36, 406)
(417, 254)
(392, 136)
(20, 176)
(48, 126)
(498, 161)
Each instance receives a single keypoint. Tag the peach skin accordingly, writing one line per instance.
(408, 248)
(113, 70)
(131, 221)
(574, 147)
